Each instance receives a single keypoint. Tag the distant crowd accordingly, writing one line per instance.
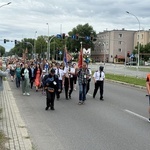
(53, 77)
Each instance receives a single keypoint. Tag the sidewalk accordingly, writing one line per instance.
(12, 124)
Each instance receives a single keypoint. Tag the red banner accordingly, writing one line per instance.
(80, 59)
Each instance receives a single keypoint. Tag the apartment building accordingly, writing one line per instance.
(113, 46)
(143, 37)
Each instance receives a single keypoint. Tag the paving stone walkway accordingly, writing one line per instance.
(11, 123)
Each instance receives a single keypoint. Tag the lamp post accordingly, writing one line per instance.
(5, 4)
(35, 45)
(104, 52)
(81, 44)
(103, 44)
(49, 41)
(138, 39)
(48, 48)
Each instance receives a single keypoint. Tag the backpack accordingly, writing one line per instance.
(47, 79)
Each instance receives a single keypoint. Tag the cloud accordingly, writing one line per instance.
(22, 18)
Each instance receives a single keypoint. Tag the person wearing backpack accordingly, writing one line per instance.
(51, 85)
(99, 77)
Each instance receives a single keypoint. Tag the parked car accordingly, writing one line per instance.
(132, 63)
(147, 63)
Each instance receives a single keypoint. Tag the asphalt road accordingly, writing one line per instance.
(121, 69)
(117, 123)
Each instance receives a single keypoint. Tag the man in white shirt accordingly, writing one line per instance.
(60, 73)
(99, 77)
(69, 71)
(89, 80)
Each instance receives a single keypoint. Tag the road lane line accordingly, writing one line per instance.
(135, 114)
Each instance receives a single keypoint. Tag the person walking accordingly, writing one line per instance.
(83, 76)
(12, 71)
(37, 76)
(18, 75)
(26, 75)
(60, 73)
(75, 77)
(32, 75)
(51, 85)
(99, 77)
(69, 71)
(148, 91)
(2, 74)
(89, 80)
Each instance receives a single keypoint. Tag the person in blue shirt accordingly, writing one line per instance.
(18, 75)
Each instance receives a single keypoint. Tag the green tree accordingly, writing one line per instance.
(2, 50)
(145, 50)
(21, 46)
(82, 31)
(41, 46)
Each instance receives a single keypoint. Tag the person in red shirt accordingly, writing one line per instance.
(148, 90)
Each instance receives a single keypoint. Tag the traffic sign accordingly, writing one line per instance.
(60, 52)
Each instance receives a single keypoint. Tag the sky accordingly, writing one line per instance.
(32, 18)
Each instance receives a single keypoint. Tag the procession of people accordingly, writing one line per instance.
(53, 78)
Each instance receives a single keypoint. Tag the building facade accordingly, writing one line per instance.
(113, 46)
(142, 37)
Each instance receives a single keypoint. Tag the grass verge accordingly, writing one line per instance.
(127, 79)
(3, 140)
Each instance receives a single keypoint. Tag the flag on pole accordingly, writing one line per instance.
(65, 58)
(80, 59)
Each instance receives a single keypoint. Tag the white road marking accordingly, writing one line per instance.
(135, 114)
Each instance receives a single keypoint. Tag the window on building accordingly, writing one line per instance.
(119, 50)
(120, 35)
(142, 36)
(120, 42)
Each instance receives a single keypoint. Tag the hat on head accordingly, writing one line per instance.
(52, 70)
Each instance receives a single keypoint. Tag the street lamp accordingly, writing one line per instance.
(35, 45)
(5, 4)
(103, 44)
(48, 47)
(49, 41)
(81, 45)
(139, 37)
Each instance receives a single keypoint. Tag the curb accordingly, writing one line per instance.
(124, 83)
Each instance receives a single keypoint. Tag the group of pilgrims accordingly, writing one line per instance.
(53, 79)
